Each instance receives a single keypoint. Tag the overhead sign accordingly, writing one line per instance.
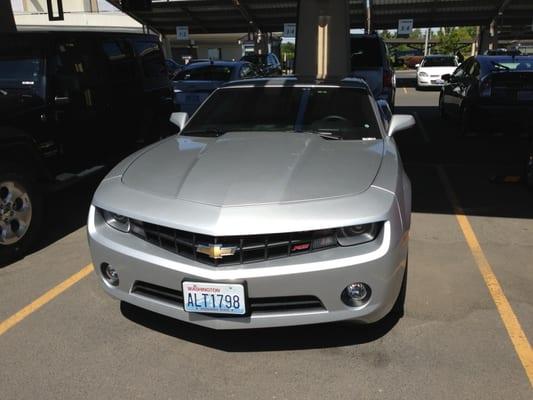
(405, 26)
(289, 30)
(182, 32)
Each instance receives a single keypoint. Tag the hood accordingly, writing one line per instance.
(437, 71)
(197, 86)
(251, 168)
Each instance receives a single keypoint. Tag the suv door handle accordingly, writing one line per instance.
(62, 100)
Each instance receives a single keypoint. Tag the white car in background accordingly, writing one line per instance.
(429, 72)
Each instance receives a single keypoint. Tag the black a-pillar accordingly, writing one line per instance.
(323, 39)
(7, 20)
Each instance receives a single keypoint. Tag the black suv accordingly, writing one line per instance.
(70, 104)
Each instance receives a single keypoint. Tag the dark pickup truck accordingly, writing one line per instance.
(71, 103)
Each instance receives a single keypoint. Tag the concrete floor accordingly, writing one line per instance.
(451, 343)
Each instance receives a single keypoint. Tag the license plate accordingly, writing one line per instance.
(214, 298)
(438, 81)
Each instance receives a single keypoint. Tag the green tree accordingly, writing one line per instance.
(450, 39)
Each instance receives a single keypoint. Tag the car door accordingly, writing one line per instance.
(75, 100)
(454, 89)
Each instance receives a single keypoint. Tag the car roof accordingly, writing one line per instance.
(293, 81)
(216, 63)
(504, 57)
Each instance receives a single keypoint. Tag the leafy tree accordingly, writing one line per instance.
(450, 38)
(288, 48)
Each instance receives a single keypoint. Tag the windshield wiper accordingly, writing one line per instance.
(211, 132)
(497, 64)
(327, 135)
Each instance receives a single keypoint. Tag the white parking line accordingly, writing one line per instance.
(421, 127)
(405, 90)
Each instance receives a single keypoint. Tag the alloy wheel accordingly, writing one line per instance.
(15, 212)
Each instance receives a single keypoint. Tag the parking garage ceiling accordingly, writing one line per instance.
(226, 16)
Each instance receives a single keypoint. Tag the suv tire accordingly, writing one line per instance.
(21, 212)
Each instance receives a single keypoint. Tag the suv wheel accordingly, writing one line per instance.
(20, 214)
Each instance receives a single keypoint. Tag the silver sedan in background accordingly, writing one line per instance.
(281, 202)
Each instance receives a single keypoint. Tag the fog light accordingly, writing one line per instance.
(110, 274)
(356, 294)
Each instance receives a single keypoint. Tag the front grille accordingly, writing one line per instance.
(259, 304)
(247, 249)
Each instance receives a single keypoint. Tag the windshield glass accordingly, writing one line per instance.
(255, 58)
(508, 63)
(335, 113)
(205, 73)
(439, 62)
(19, 72)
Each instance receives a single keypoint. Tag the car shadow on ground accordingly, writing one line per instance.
(268, 339)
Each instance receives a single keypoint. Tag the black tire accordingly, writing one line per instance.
(13, 251)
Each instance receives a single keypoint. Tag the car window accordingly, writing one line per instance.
(460, 71)
(474, 69)
(121, 63)
(366, 53)
(19, 68)
(205, 73)
(439, 62)
(332, 112)
(152, 59)
(247, 72)
(510, 63)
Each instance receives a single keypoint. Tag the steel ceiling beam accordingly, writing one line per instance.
(245, 14)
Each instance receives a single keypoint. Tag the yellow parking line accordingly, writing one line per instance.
(509, 319)
(45, 298)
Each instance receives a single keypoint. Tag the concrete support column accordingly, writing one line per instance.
(7, 19)
(323, 39)
(493, 33)
(167, 47)
(483, 40)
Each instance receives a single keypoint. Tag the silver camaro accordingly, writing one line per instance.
(280, 202)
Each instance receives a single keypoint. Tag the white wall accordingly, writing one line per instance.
(78, 14)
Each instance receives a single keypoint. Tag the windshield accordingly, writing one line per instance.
(19, 72)
(255, 58)
(334, 113)
(205, 73)
(439, 62)
(511, 64)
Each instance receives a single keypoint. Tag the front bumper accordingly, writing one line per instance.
(429, 82)
(323, 274)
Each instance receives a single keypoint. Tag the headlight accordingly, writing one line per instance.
(117, 221)
(358, 234)
(423, 74)
(177, 91)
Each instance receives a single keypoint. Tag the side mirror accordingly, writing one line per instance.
(400, 122)
(179, 119)
(385, 111)
(446, 77)
(417, 66)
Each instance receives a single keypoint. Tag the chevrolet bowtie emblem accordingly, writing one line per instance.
(216, 251)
